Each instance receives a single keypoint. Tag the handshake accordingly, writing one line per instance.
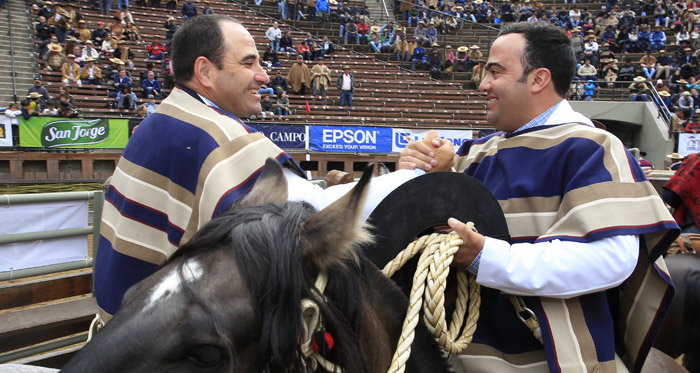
(430, 154)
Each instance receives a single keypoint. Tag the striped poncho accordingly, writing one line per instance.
(571, 182)
(185, 164)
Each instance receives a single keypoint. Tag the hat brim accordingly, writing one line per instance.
(428, 201)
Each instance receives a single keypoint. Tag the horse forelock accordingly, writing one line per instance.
(264, 241)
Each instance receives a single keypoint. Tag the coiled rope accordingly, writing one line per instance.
(428, 289)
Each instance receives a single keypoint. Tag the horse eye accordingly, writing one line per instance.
(205, 355)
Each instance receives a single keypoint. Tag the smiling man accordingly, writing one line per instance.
(586, 226)
(193, 157)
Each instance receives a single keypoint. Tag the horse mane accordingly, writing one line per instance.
(265, 243)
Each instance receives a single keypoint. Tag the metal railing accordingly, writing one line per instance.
(620, 91)
(7, 200)
(12, 52)
(94, 229)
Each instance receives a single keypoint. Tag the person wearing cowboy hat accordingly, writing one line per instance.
(610, 71)
(473, 55)
(419, 33)
(71, 71)
(638, 89)
(89, 51)
(34, 108)
(676, 161)
(461, 58)
(206, 9)
(82, 33)
(171, 27)
(91, 74)
(403, 45)
(124, 53)
(110, 71)
(686, 103)
(431, 33)
(54, 58)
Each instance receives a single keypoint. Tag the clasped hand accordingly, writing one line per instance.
(436, 154)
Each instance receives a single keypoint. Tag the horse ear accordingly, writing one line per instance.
(271, 187)
(328, 237)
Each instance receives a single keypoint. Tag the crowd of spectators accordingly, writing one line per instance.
(667, 33)
(103, 56)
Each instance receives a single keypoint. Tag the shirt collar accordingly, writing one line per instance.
(541, 119)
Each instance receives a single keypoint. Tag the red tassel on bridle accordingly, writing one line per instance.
(322, 342)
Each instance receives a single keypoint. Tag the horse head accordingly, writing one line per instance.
(229, 300)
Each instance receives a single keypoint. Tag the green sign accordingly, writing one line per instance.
(59, 133)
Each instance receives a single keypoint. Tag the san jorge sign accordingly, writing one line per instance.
(47, 132)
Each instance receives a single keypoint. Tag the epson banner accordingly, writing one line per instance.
(286, 137)
(402, 136)
(350, 139)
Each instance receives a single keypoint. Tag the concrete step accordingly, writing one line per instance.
(6, 87)
(22, 58)
(24, 52)
(5, 71)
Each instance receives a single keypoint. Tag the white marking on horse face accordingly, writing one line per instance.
(171, 283)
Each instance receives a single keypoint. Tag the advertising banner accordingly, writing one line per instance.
(5, 133)
(350, 139)
(402, 136)
(688, 143)
(59, 133)
(286, 137)
(37, 217)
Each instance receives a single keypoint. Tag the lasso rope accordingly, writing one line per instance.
(428, 289)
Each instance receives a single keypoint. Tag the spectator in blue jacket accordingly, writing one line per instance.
(287, 44)
(589, 90)
(322, 11)
(643, 39)
(122, 80)
(658, 39)
(418, 57)
(189, 10)
(151, 87)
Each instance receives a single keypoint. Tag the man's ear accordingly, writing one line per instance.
(541, 79)
(203, 69)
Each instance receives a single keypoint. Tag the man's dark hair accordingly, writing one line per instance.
(547, 47)
(200, 36)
